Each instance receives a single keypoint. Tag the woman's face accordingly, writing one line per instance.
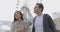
(17, 15)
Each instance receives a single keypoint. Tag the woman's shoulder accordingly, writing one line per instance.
(14, 22)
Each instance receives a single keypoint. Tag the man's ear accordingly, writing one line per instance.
(40, 8)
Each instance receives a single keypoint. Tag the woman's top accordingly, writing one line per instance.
(18, 25)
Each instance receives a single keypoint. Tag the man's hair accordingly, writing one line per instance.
(40, 6)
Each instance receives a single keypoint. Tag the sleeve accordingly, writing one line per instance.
(51, 24)
(13, 27)
(30, 23)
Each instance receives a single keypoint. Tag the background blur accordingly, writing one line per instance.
(8, 7)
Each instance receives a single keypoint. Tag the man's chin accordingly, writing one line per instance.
(35, 13)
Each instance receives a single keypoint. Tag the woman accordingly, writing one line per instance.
(19, 25)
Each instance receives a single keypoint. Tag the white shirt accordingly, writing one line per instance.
(39, 24)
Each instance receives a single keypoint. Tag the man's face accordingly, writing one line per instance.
(37, 9)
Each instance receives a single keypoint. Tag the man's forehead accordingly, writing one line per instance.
(36, 5)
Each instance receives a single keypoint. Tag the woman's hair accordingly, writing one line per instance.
(20, 14)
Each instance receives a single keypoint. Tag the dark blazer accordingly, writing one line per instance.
(48, 24)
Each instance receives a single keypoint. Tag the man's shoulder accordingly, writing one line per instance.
(47, 15)
(34, 19)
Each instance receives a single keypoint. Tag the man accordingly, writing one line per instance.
(42, 22)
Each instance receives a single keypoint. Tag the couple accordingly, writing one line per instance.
(41, 23)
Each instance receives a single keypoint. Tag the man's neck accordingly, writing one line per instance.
(39, 14)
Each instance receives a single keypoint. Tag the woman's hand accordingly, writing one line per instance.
(20, 30)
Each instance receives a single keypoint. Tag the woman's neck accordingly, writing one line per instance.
(19, 20)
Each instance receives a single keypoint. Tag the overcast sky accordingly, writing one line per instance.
(8, 7)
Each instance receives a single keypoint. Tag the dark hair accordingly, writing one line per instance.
(40, 6)
(20, 14)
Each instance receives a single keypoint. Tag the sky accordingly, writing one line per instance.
(8, 7)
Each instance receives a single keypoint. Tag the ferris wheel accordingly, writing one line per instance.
(25, 9)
